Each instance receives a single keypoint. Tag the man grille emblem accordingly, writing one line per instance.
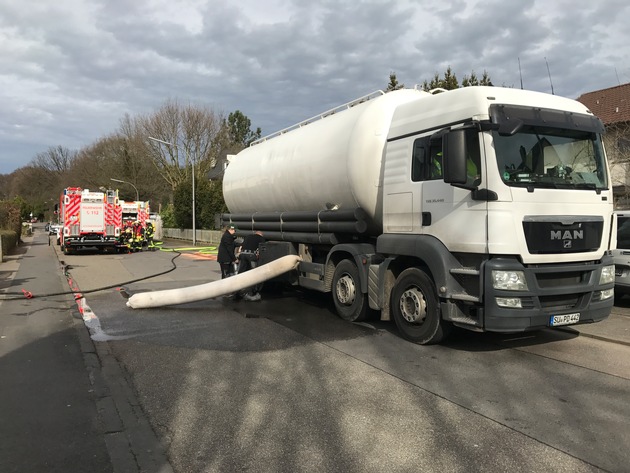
(567, 244)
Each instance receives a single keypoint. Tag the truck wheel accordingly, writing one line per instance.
(416, 308)
(350, 303)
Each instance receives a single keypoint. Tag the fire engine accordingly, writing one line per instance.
(136, 211)
(89, 219)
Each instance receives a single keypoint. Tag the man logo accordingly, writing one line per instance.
(567, 235)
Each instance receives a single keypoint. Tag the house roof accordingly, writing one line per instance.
(611, 105)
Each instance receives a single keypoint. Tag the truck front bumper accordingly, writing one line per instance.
(558, 294)
(91, 242)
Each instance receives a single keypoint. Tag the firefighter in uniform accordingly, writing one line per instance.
(138, 236)
(127, 238)
(149, 233)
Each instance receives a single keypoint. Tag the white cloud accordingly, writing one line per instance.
(72, 69)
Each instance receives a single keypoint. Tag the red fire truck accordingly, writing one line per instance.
(135, 211)
(89, 219)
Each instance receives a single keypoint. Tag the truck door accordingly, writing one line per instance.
(449, 212)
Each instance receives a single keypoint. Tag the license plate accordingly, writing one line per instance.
(566, 319)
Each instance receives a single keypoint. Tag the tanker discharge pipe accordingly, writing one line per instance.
(184, 295)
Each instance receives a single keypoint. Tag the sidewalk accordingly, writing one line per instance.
(64, 405)
(49, 416)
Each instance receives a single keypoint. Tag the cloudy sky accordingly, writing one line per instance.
(71, 69)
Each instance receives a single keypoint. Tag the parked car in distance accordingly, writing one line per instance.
(622, 254)
(53, 228)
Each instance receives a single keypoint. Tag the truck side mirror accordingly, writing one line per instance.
(455, 151)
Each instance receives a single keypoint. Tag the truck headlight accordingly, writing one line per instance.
(510, 280)
(608, 274)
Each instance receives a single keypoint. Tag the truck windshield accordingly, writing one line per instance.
(543, 157)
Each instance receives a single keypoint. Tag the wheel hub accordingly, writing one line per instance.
(346, 291)
(413, 306)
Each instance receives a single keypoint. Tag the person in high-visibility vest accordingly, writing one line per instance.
(472, 171)
(149, 233)
(436, 166)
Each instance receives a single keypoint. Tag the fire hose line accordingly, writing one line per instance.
(198, 249)
(78, 294)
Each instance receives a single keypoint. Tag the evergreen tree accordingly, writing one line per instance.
(449, 81)
(393, 83)
(239, 129)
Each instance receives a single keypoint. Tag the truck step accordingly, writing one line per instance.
(465, 298)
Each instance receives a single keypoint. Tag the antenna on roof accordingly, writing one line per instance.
(617, 74)
(549, 73)
(519, 71)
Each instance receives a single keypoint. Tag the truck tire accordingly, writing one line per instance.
(416, 308)
(351, 304)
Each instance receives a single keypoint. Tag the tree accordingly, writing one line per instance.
(49, 169)
(130, 151)
(33, 184)
(56, 160)
(10, 218)
(393, 83)
(617, 143)
(182, 205)
(197, 138)
(471, 80)
(239, 129)
(212, 196)
(449, 81)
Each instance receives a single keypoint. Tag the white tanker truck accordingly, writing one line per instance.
(485, 208)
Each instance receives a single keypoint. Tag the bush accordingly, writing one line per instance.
(10, 217)
(9, 240)
(168, 216)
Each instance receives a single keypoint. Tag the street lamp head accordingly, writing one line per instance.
(127, 182)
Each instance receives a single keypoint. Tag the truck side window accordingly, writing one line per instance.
(473, 160)
(418, 161)
(436, 160)
(426, 163)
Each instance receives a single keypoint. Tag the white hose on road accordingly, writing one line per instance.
(184, 295)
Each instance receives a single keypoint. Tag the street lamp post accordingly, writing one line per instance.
(194, 228)
(125, 182)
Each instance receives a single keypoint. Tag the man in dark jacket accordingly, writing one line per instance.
(248, 259)
(226, 257)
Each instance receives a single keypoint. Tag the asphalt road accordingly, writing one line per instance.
(283, 385)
